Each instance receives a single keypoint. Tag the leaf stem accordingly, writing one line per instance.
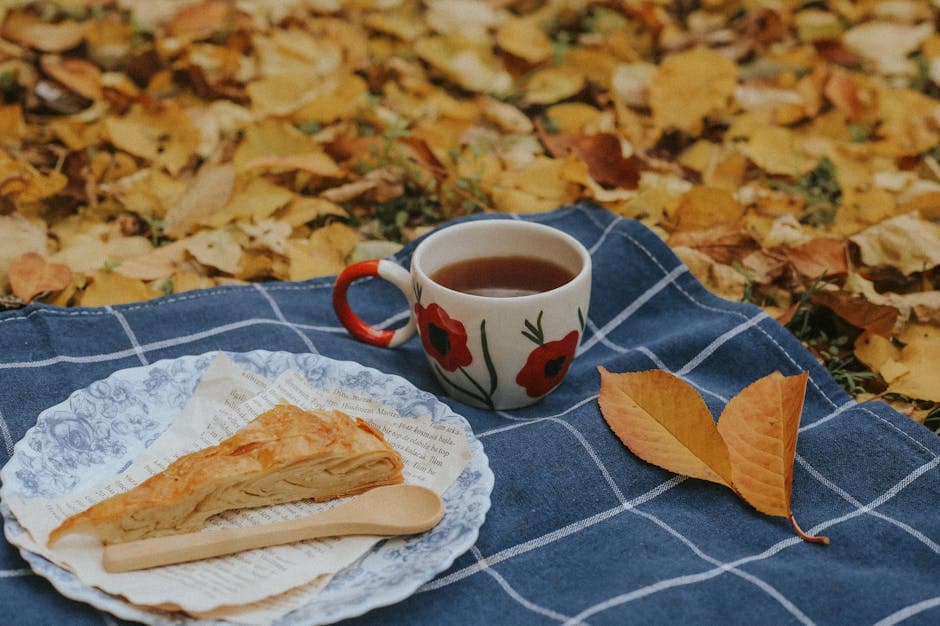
(802, 535)
(479, 398)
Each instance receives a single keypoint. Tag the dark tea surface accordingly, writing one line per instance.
(502, 276)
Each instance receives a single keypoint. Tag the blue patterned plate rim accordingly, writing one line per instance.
(98, 430)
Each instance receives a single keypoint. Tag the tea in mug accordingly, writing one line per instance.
(502, 276)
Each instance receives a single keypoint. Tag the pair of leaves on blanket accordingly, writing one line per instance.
(751, 449)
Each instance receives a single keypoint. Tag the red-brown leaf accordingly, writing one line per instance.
(602, 154)
(859, 312)
(31, 275)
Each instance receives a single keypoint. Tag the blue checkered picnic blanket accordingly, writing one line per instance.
(580, 530)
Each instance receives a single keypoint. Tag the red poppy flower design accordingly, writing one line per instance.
(444, 338)
(547, 365)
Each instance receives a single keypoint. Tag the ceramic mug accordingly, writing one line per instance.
(495, 352)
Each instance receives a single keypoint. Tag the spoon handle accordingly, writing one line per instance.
(182, 548)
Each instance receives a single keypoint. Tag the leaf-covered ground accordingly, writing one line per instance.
(787, 151)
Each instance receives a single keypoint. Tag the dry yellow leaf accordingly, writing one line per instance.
(703, 207)
(216, 248)
(99, 247)
(30, 30)
(30, 275)
(348, 96)
(80, 76)
(23, 183)
(551, 85)
(473, 69)
(283, 94)
(207, 193)
(12, 124)
(572, 118)
(266, 235)
(294, 52)
(188, 280)
(323, 253)
(720, 279)
(107, 288)
(148, 192)
(18, 236)
(690, 86)
(318, 163)
(271, 138)
(760, 427)
(777, 150)
(664, 421)
(524, 38)
(542, 178)
(257, 199)
(303, 209)
(911, 370)
(162, 135)
(906, 242)
(158, 263)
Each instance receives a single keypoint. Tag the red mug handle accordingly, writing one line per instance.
(362, 331)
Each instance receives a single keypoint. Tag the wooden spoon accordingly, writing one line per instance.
(387, 511)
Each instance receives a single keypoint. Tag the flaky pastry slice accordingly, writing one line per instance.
(283, 455)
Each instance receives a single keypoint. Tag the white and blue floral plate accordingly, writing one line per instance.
(99, 430)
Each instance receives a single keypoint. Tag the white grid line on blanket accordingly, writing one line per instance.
(769, 552)
(822, 420)
(909, 611)
(658, 362)
(130, 334)
(8, 442)
(842, 493)
(555, 535)
(280, 316)
(512, 593)
(159, 302)
(14, 573)
(719, 341)
(600, 240)
(642, 299)
(754, 580)
(164, 343)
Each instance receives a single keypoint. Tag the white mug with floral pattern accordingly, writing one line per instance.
(487, 351)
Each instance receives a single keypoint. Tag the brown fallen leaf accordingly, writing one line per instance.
(602, 153)
(817, 256)
(858, 311)
(664, 421)
(30, 275)
(79, 75)
(760, 426)
(907, 242)
(726, 243)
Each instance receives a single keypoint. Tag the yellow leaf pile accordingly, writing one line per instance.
(664, 421)
(194, 143)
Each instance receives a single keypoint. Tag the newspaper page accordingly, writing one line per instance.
(272, 580)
